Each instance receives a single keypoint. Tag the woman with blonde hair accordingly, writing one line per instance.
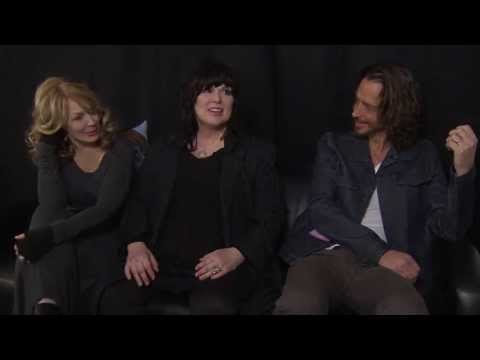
(70, 251)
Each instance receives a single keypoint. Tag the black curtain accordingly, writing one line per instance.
(289, 95)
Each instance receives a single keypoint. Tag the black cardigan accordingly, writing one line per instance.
(252, 204)
(52, 195)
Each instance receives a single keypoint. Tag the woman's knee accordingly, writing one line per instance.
(122, 298)
(212, 303)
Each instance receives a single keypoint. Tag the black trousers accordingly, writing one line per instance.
(335, 278)
(54, 276)
(223, 296)
(73, 274)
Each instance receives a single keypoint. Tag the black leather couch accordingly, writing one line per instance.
(6, 285)
(458, 283)
(466, 280)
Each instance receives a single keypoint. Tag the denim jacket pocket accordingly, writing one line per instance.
(414, 179)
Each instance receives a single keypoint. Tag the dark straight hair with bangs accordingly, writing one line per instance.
(209, 73)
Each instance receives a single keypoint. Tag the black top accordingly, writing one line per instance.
(93, 198)
(193, 225)
(252, 210)
(82, 187)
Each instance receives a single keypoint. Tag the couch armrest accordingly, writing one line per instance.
(466, 277)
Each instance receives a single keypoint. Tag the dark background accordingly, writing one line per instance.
(289, 95)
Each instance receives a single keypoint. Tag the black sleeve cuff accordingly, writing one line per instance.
(36, 243)
(468, 177)
(53, 139)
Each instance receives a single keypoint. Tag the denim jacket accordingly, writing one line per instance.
(417, 204)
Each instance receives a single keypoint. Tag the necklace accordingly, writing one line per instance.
(202, 153)
(209, 149)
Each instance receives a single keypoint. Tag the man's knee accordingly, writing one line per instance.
(298, 302)
(122, 298)
(304, 291)
(399, 303)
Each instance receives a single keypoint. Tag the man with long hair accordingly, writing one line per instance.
(379, 197)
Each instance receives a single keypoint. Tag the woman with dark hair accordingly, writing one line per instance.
(69, 252)
(203, 218)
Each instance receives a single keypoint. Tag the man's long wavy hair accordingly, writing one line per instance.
(400, 108)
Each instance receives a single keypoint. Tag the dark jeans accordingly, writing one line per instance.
(335, 278)
(222, 296)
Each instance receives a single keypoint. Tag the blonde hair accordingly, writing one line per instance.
(50, 113)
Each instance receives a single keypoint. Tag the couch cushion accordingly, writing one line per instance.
(6, 285)
(296, 196)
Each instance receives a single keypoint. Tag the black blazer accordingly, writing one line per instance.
(252, 204)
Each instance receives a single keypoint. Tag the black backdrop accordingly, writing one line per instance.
(289, 95)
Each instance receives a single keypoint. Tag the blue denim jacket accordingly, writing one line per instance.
(417, 204)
